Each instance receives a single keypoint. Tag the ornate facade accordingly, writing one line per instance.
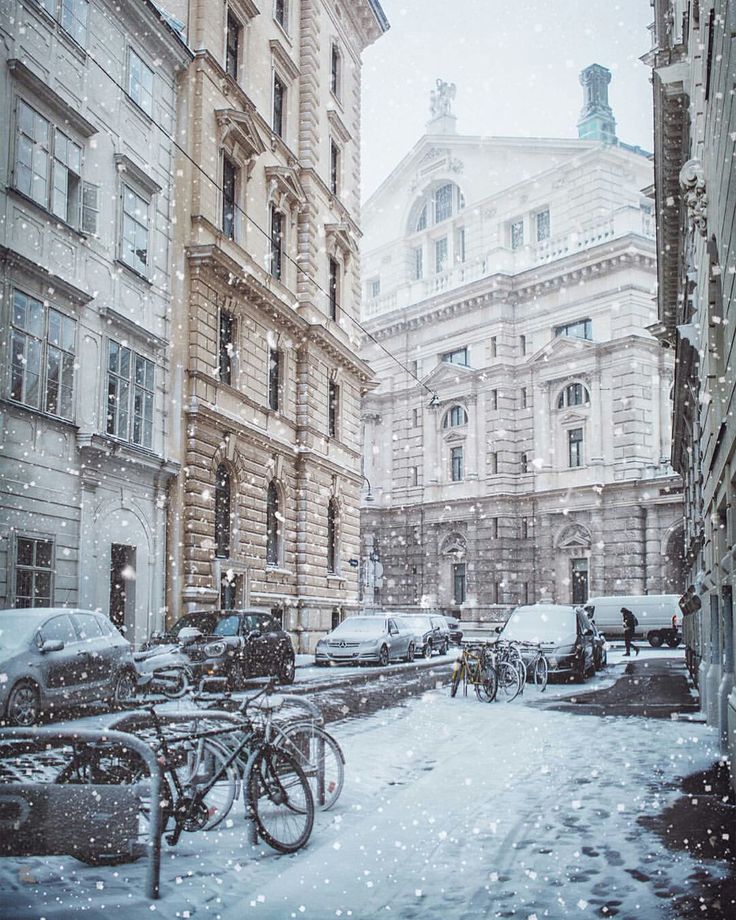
(88, 101)
(693, 63)
(265, 342)
(519, 448)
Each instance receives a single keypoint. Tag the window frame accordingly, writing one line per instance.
(230, 183)
(564, 330)
(275, 382)
(459, 578)
(60, 12)
(139, 266)
(441, 255)
(145, 69)
(130, 386)
(34, 569)
(223, 530)
(226, 336)
(541, 227)
(457, 463)
(274, 536)
(276, 242)
(231, 65)
(448, 356)
(333, 409)
(335, 167)
(516, 233)
(455, 417)
(333, 540)
(281, 14)
(336, 71)
(575, 449)
(279, 89)
(333, 271)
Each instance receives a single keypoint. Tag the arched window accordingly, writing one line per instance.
(574, 394)
(456, 416)
(223, 516)
(439, 203)
(333, 557)
(273, 527)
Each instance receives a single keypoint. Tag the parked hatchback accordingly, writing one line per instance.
(431, 634)
(232, 644)
(455, 629)
(57, 657)
(563, 633)
(365, 639)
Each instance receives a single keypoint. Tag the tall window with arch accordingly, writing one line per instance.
(273, 525)
(333, 554)
(574, 394)
(223, 513)
(456, 417)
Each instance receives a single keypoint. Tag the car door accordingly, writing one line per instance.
(100, 661)
(397, 639)
(256, 645)
(585, 632)
(63, 671)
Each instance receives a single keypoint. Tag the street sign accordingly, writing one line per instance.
(354, 563)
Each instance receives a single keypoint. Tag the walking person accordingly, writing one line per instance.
(630, 624)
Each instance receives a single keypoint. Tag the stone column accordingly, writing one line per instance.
(726, 685)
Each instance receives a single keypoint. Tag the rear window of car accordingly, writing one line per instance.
(88, 626)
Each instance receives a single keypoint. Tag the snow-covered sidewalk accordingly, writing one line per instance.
(452, 810)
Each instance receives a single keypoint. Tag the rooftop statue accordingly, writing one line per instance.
(440, 99)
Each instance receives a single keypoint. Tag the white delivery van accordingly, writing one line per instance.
(659, 616)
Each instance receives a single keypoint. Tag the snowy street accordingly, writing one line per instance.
(451, 809)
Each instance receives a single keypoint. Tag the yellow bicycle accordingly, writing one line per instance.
(475, 667)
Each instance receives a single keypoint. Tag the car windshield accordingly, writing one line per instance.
(547, 624)
(16, 629)
(227, 626)
(418, 624)
(204, 622)
(364, 626)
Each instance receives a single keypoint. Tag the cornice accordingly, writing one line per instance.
(40, 88)
(53, 282)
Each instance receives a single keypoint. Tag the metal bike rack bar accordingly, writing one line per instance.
(125, 740)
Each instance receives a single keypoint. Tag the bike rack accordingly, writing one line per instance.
(19, 798)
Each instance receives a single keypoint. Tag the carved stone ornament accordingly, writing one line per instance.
(440, 99)
(692, 183)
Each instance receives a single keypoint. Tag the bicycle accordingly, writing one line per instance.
(509, 675)
(473, 667)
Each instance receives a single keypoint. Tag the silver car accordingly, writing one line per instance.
(377, 639)
(56, 657)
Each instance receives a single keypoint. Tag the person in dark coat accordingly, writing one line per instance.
(630, 625)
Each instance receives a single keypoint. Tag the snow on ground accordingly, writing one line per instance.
(452, 810)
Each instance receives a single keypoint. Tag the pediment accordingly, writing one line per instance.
(570, 418)
(340, 238)
(239, 132)
(560, 345)
(445, 372)
(284, 185)
(453, 436)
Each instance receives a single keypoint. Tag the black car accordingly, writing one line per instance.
(456, 633)
(234, 644)
(600, 654)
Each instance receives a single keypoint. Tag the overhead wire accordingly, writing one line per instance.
(267, 235)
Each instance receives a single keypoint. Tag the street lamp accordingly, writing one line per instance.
(369, 493)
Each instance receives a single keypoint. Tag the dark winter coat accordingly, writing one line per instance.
(629, 620)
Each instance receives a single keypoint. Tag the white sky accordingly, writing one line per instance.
(515, 64)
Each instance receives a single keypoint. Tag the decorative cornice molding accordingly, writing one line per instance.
(127, 168)
(52, 282)
(283, 59)
(41, 89)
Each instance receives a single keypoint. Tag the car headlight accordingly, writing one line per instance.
(215, 649)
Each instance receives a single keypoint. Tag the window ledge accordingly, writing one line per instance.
(69, 423)
(335, 577)
(138, 110)
(277, 570)
(134, 271)
(49, 215)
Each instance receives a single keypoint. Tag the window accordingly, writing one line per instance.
(334, 168)
(575, 447)
(459, 356)
(232, 46)
(71, 14)
(517, 234)
(374, 288)
(415, 418)
(140, 82)
(33, 572)
(229, 184)
(333, 408)
(332, 538)
(494, 461)
(274, 378)
(129, 395)
(458, 582)
(223, 514)
(522, 344)
(579, 580)
(422, 219)
(580, 329)
(443, 203)
(524, 398)
(42, 354)
(273, 528)
(279, 99)
(135, 230)
(495, 527)
(414, 479)
(460, 245)
(227, 346)
(494, 399)
(277, 224)
(494, 346)
(280, 12)
(574, 394)
(334, 288)
(440, 255)
(456, 464)
(524, 528)
(418, 263)
(524, 463)
(455, 417)
(335, 71)
(541, 221)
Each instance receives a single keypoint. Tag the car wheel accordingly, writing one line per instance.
(237, 676)
(383, 656)
(24, 705)
(427, 650)
(124, 687)
(673, 641)
(287, 671)
(655, 639)
(578, 673)
(410, 652)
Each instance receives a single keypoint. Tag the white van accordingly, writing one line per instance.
(659, 616)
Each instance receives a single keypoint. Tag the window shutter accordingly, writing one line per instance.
(90, 207)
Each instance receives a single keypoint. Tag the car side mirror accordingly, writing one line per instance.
(51, 645)
(254, 634)
(498, 629)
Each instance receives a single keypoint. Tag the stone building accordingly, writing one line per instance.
(694, 62)
(518, 449)
(265, 340)
(88, 101)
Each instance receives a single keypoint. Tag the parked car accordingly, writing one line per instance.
(231, 644)
(455, 629)
(56, 657)
(359, 639)
(659, 616)
(563, 633)
(600, 646)
(431, 634)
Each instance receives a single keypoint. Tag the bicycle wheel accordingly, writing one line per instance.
(487, 687)
(319, 756)
(509, 683)
(204, 759)
(541, 673)
(457, 674)
(278, 799)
